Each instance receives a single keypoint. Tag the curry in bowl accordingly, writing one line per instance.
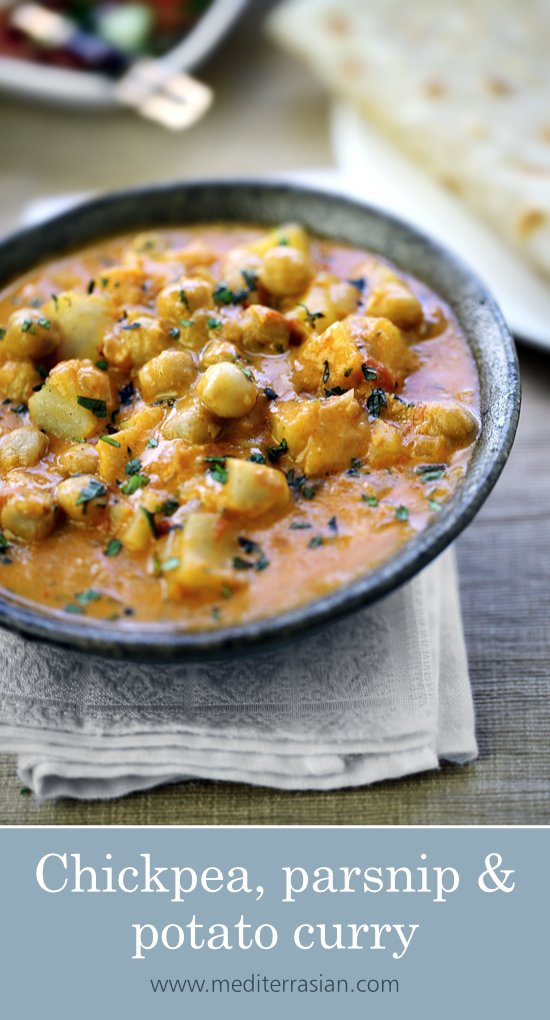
(209, 425)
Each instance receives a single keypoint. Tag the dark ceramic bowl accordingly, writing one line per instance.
(343, 220)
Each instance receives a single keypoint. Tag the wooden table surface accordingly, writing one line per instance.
(504, 556)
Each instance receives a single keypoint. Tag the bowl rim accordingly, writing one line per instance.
(164, 643)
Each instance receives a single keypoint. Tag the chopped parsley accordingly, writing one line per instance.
(245, 371)
(170, 564)
(326, 371)
(431, 472)
(3, 541)
(434, 504)
(110, 441)
(369, 500)
(333, 525)
(402, 513)
(26, 325)
(214, 323)
(251, 548)
(44, 323)
(85, 597)
(276, 452)
(354, 467)
(315, 542)
(226, 591)
(150, 518)
(20, 409)
(103, 364)
(300, 526)
(91, 286)
(223, 295)
(270, 394)
(174, 333)
(168, 508)
(2, 333)
(131, 326)
(336, 391)
(311, 316)
(187, 323)
(97, 407)
(93, 489)
(113, 548)
(257, 458)
(72, 608)
(298, 484)
(152, 443)
(217, 469)
(359, 282)
(368, 372)
(241, 564)
(250, 278)
(376, 402)
(184, 299)
(132, 484)
(248, 545)
(133, 467)
(126, 394)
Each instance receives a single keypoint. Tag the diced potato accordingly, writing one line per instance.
(264, 330)
(128, 284)
(191, 422)
(135, 340)
(291, 234)
(83, 321)
(240, 268)
(56, 407)
(71, 493)
(30, 333)
(28, 516)
(216, 351)
(382, 341)
(168, 375)
(179, 300)
(18, 379)
(81, 459)
(322, 435)
(23, 447)
(135, 529)
(391, 298)
(386, 444)
(204, 553)
(227, 391)
(286, 271)
(127, 443)
(324, 302)
(449, 418)
(330, 359)
(252, 489)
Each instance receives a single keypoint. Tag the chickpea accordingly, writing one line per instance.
(80, 459)
(68, 495)
(265, 330)
(29, 516)
(191, 422)
(179, 300)
(134, 340)
(227, 391)
(18, 379)
(216, 351)
(240, 267)
(23, 447)
(286, 271)
(29, 334)
(168, 375)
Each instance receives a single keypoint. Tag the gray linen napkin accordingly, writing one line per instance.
(378, 695)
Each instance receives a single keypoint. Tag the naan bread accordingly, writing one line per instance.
(462, 85)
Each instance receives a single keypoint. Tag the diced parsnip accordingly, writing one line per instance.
(292, 234)
(168, 375)
(227, 390)
(58, 406)
(134, 340)
(446, 418)
(29, 516)
(191, 422)
(30, 333)
(82, 321)
(202, 555)
(81, 459)
(264, 330)
(72, 495)
(286, 271)
(386, 444)
(18, 379)
(128, 442)
(179, 300)
(136, 529)
(253, 489)
(390, 297)
(23, 447)
(322, 435)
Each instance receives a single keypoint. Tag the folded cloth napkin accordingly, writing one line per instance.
(378, 695)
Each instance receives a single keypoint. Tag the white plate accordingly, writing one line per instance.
(95, 91)
(380, 174)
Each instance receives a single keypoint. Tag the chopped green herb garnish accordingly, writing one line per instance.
(376, 402)
(150, 518)
(434, 504)
(257, 458)
(354, 467)
(250, 278)
(245, 371)
(113, 547)
(26, 325)
(348, 372)
(110, 441)
(97, 407)
(311, 316)
(241, 564)
(45, 323)
(214, 323)
(217, 469)
(91, 287)
(402, 513)
(133, 467)
(168, 508)
(3, 541)
(93, 489)
(223, 295)
(170, 564)
(326, 371)
(20, 409)
(261, 564)
(276, 452)
(85, 597)
(72, 608)
(368, 372)
(174, 333)
(369, 500)
(300, 526)
(184, 299)
(226, 591)
(333, 525)
(315, 542)
(283, 241)
(248, 545)
(131, 326)
(431, 472)
(2, 333)
(102, 364)
(152, 443)
(336, 391)
(270, 394)
(134, 483)
(359, 283)
(216, 612)
(187, 322)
